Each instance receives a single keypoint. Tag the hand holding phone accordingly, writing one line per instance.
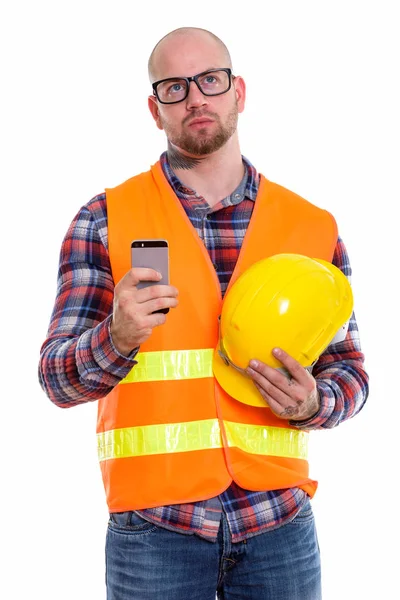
(134, 317)
(151, 254)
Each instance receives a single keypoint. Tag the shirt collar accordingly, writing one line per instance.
(247, 188)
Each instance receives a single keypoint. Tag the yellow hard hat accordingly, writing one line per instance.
(288, 301)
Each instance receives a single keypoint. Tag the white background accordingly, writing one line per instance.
(322, 118)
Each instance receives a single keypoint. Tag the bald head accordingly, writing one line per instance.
(179, 41)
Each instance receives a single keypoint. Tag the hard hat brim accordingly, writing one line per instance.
(236, 384)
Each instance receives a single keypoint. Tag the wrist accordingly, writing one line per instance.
(120, 345)
(314, 408)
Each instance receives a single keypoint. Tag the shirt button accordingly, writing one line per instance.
(237, 196)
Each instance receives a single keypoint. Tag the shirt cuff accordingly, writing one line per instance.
(100, 356)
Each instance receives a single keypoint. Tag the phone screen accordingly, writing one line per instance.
(151, 254)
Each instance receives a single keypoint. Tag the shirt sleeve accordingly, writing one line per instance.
(342, 381)
(78, 360)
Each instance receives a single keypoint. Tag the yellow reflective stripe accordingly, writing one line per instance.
(272, 441)
(159, 439)
(171, 364)
(201, 435)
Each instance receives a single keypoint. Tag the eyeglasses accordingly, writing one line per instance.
(210, 83)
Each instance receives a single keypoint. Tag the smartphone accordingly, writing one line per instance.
(152, 254)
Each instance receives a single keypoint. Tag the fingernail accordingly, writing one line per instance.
(253, 363)
(276, 351)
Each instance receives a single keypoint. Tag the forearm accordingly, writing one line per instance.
(78, 360)
(78, 369)
(341, 379)
(342, 383)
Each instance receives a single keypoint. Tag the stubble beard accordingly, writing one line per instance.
(201, 143)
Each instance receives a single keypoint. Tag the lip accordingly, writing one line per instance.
(200, 121)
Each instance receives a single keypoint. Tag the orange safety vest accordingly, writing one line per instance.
(168, 433)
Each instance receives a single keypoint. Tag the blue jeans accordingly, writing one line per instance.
(147, 562)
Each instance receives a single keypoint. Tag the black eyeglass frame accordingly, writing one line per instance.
(195, 79)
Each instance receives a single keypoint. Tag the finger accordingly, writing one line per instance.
(158, 304)
(296, 370)
(285, 411)
(269, 388)
(138, 274)
(155, 320)
(152, 292)
(279, 379)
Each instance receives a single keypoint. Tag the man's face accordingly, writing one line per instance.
(203, 130)
(198, 125)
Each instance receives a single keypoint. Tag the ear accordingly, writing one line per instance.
(240, 90)
(153, 107)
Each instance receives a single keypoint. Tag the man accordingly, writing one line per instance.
(191, 516)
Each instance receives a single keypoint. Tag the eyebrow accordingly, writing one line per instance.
(184, 76)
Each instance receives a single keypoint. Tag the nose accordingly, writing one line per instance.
(195, 97)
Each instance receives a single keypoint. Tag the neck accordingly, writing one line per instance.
(214, 176)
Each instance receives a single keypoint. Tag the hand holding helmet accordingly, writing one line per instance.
(295, 397)
(286, 301)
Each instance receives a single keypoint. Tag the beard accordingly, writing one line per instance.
(202, 142)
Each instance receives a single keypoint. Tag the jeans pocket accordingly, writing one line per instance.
(305, 514)
(130, 522)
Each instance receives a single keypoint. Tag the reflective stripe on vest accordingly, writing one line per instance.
(201, 435)
(171, 364)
